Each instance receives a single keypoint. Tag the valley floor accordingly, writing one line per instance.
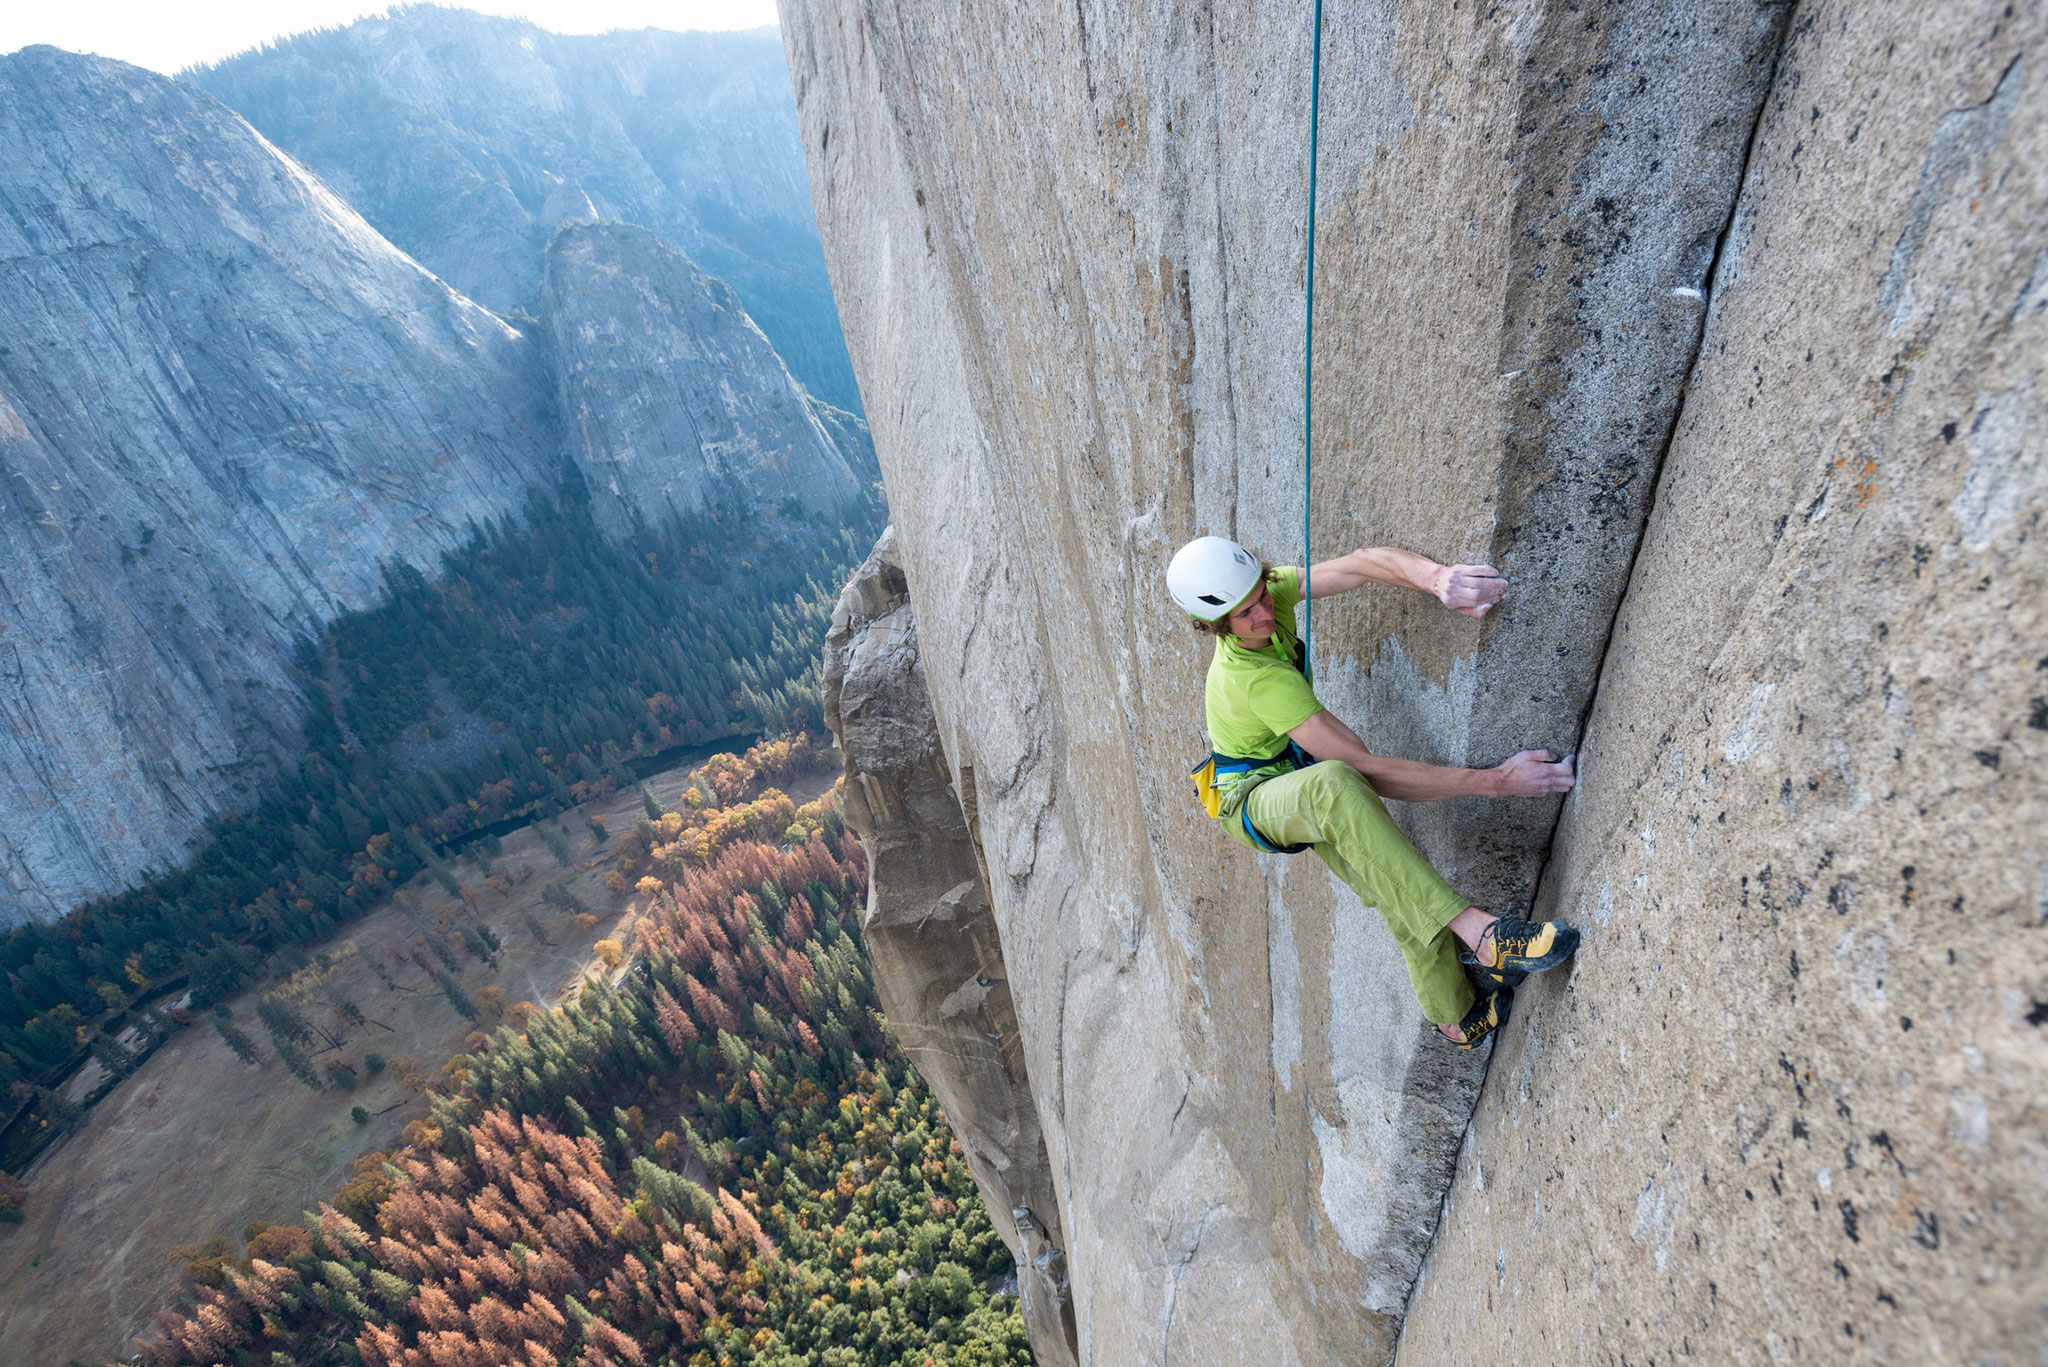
(196, 1144)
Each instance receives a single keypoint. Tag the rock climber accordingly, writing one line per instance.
(1286, 775)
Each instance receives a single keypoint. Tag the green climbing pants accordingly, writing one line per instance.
(1332, 807)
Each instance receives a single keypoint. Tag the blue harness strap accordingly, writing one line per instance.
(1244, 814)
(1295, 758)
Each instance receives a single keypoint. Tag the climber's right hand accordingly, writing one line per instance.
(1471, 589)
(1534, 773)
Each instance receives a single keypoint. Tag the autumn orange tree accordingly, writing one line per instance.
(719, 1162)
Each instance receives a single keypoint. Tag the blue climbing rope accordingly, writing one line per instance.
(1308, 347)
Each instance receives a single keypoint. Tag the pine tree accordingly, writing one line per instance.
(296, 1063)
(284, 1021)
(457, 998)
(235, 1039)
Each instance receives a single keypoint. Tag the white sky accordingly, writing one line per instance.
(166, 35)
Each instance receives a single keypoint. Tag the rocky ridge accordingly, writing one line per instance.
(469, 139)
(1779, 270)
(224, 401)
(674, 400)
(933, 938)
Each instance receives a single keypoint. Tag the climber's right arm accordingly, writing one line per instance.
(1473, 590)
(1531, 773)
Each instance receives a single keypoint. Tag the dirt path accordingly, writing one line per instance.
(195, 1143)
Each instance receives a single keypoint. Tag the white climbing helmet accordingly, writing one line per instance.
(1211, 576)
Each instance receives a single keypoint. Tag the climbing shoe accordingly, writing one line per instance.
(1490, 978)
(1487, 1015)
(1524, 947)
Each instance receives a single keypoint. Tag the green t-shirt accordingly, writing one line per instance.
(1255, 697)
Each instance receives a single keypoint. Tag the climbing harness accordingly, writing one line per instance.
(1212, 782)
(1308, 346)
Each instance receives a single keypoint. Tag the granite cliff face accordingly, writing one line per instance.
(934, 939)
(224, 400)
(468, 139)
(1718, 328)
(1793, 1086)
(673, 399)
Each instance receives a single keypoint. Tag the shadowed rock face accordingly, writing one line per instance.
(1071, 274)
(224, 401)
(468, 139)
(673, 399)
(933, 936)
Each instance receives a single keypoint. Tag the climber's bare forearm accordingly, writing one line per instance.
(1387, 565)
(1407, 780)
(1530, 773)
(1404, 780)
(1469, 589)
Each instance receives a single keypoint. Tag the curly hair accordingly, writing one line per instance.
(1221, 626)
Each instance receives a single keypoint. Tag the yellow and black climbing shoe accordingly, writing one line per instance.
(1523, 947)
(1487, 976)
(1487, 1015)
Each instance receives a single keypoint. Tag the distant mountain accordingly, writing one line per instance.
(467, 140)
(226, 401)
(672, 397)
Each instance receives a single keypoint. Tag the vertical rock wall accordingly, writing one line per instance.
(932, 934)
(1067, 247)
(1787, 1107)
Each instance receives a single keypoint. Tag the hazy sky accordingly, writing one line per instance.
(166, 35)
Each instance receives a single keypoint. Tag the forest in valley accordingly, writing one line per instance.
(708, 1154)
(721, 1160)
(533, 673)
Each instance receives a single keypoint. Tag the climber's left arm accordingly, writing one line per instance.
(1470, 589)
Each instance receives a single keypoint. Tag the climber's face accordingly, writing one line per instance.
(1252, 624)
